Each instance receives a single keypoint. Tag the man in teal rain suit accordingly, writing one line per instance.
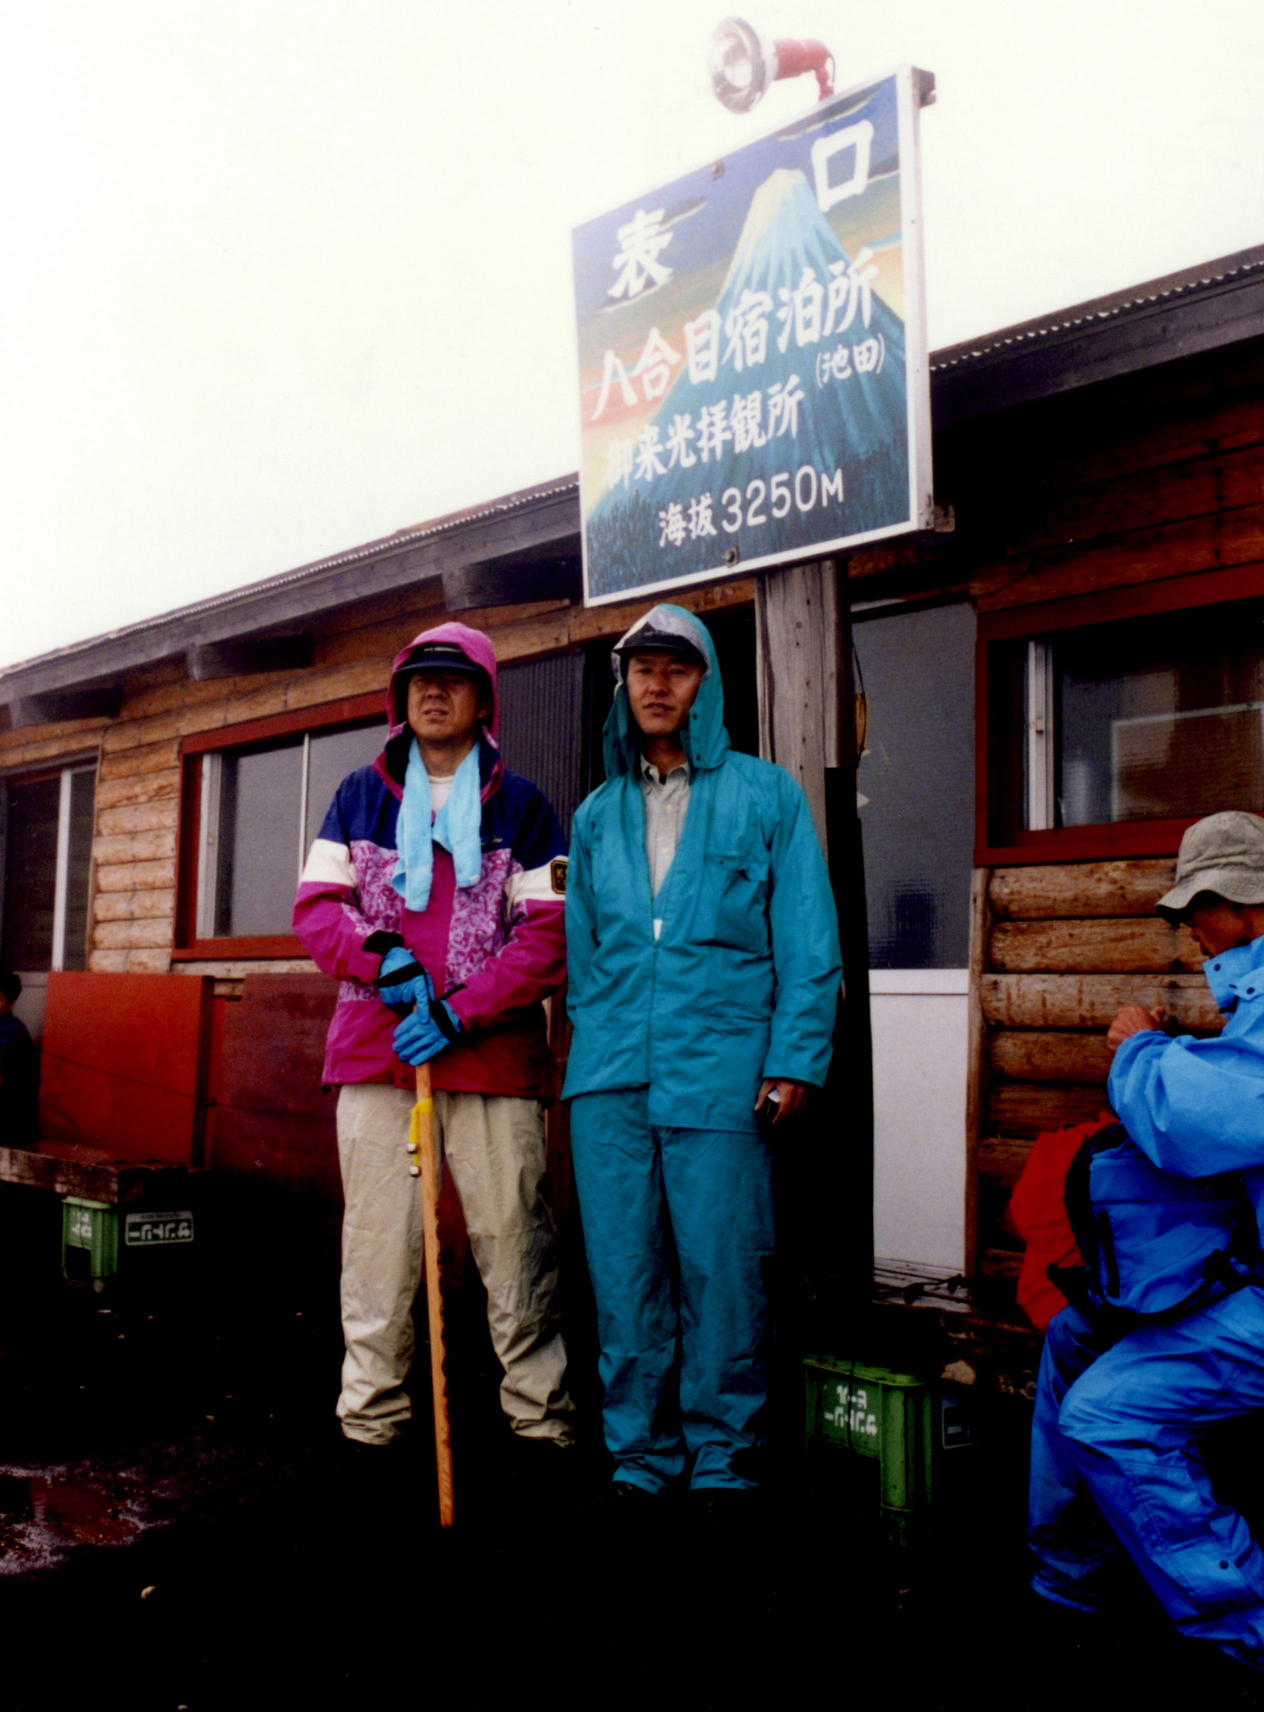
(704, 976)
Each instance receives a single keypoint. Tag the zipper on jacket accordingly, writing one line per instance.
(1106, 1245)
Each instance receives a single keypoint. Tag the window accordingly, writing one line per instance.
(262, 807)
(1110, 735)
(917, 784)
(45, 857)
(253, 800)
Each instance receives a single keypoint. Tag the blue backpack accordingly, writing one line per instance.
(1154, 1244)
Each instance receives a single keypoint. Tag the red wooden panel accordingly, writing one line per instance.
(297, 1156)
(124, 1063)
(274, 1043)
(275, 1121)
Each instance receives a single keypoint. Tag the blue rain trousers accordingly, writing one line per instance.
(1077, 1553)
(679, 1230)
(1134, 1422)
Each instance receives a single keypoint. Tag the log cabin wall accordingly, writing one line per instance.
(1065, 947)
(1105, 496)
(1117, 486)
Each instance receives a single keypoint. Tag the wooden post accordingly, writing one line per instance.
(798, 643)
(425, 1157)
(851, 1079)
(976, 1085)
(808, 726)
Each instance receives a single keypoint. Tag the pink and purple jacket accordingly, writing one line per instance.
(495, 950)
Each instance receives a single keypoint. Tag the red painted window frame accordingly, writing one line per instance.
(1122, 838)
(322, 717)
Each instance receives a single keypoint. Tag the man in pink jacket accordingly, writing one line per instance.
(435, 893)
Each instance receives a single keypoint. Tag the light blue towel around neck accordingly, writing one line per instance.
(457, 827)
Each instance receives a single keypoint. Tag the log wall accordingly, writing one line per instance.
(1105, 494)
(1163, 476)
(1064, 947)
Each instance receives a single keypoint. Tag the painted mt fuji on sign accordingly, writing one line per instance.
(797, 374)
(757, 409)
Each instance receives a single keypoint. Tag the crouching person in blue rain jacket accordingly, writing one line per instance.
(1124, 1403)
(704, 975)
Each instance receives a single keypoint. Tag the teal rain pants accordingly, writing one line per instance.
(679, 1231)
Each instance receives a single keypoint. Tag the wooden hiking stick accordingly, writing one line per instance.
(421, 1147)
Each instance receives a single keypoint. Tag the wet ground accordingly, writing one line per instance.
(182, 1527)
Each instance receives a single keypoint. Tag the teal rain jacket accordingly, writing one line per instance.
(743, 982)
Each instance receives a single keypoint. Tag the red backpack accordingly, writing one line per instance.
(1038, 1210)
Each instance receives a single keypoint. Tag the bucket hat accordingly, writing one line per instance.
(1222, 853)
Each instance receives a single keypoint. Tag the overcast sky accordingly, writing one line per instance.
(283, 277)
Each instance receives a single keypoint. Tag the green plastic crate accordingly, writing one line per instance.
(89, 1239)
(906, 1423)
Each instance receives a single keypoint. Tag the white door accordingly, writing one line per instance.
(917, 820)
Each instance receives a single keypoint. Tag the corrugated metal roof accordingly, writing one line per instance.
(1099, 311)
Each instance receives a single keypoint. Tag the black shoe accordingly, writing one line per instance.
(632, 1514)
(545, 1470)
(357, 1455)
(374, 1480)
(627, 1492)
(1203, 1668)
(729, 1513)
(719, 1503)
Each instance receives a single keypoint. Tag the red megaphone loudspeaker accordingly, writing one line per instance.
(743, 63)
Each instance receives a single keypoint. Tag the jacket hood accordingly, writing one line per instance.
(705, 740)
(479, 651)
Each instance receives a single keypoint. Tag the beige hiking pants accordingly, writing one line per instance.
(494, 1147)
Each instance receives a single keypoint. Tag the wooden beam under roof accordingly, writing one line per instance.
(243, 656)
(59, 706)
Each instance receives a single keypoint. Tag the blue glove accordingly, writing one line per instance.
(402, 982)
(420, 1037)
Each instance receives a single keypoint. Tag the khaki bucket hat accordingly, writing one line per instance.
(1222, 853)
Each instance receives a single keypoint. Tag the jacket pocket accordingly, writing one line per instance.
(735, 892)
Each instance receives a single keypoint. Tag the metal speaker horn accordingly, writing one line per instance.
(743, 63)
(739, 60)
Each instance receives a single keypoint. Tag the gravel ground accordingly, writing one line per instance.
(181, 1526)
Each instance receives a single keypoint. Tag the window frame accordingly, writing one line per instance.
(63, 770)
(1036, 624)
(189, 947)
